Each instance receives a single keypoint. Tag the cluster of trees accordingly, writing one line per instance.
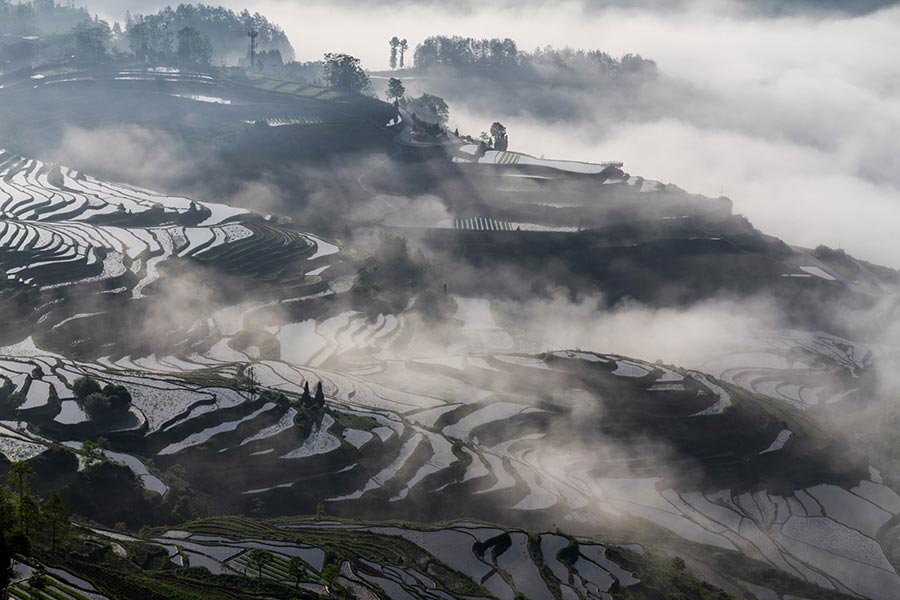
(592, 60)
(307, 400)
(261, 559)
(345, 73)
(61, 31)
(187, 34)
(92, 38)
(427, 109)
(309, 71)
(430, 109)
(247, 379)
(39, 17)
(26, 523)
(458, 51)
(398, 47)
(212, 34)
(9, 397)
(497, 139)
(102, 403)
(392, 275)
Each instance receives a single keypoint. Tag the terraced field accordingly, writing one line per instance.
(56, 585)
(390, 445)
(65, 234)
(282, 121)
(405, 563)
(410, 428)
(495, 157)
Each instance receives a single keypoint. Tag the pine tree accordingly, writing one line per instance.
(306, 398)
(56, 520)
(29, 514)
(20, 477)
(320, 396)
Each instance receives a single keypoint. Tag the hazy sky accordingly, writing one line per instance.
(801, 124)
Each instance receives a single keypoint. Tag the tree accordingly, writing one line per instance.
(344, 72)
(138, 34)
(91, 39)
(269, 60)
(151, 36)
(395, 44)
(261, 559)
(404, 46)
(320, 396)
(296, 570)
(194, 47)
(28, 512)
(6, 564)
(150, 40)
(110, 404)
(395, 89)
(331, 573)
(306, 397)
(20, 477)
(7, 549)
(85, 386)
(92, 453)
(464, 52)
(56, 520)
(249, 378)
(500, 138)
(431, 109)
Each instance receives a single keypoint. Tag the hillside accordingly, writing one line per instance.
(328, 309)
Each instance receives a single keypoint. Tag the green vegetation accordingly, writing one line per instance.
(33, 17)
(662, 577)
(499, 137)
(345, 73)
(209, 32)
(430, 109)
(260, 559)
(395, 89)
(398, 51)
(391, 276)
(29, 528)
(503, 54)
(459, 51)
(194, 47)
(104, 405)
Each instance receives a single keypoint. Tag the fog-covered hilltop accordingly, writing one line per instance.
(283, 329)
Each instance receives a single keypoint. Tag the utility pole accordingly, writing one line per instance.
(253, 34)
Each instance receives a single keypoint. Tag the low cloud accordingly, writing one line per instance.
(789, 108)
